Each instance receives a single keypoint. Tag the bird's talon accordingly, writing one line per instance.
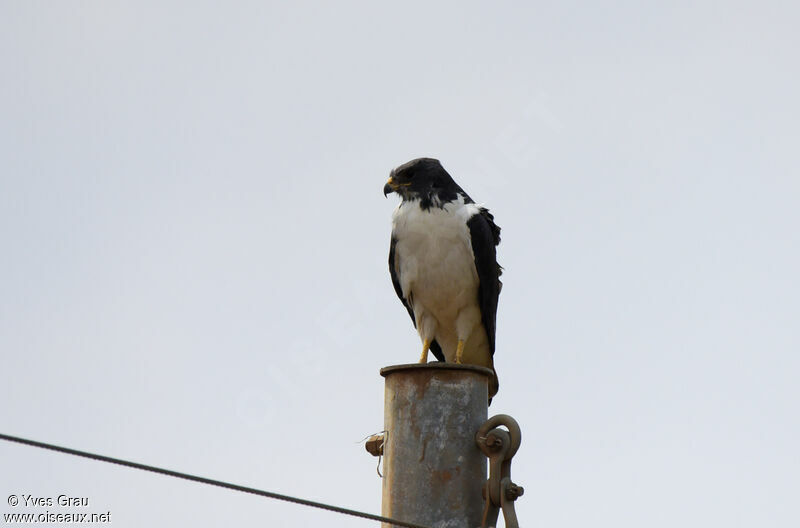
(459, 352)
(426, 345)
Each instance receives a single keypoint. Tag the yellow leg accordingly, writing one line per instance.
(459, 351)
(425, 347)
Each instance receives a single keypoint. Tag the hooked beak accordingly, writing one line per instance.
(390, 187)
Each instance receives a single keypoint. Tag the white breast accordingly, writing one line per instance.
(436, 268)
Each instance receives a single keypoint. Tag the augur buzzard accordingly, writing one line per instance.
(442, 259)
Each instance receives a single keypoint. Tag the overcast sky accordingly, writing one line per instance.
(194, 239)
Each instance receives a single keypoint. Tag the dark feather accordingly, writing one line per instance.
(485, 236)
(436, 350)
(396, 280)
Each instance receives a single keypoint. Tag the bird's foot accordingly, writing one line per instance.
(426, 345)
(460, 351)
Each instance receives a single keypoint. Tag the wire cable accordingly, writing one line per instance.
(210, 482)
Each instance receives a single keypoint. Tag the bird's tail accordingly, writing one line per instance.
(494, 385)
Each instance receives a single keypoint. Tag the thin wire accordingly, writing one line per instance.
(368, 437)
(209, 481)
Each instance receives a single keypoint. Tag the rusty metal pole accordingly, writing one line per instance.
(433, 471)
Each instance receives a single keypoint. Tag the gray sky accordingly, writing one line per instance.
(194, 244)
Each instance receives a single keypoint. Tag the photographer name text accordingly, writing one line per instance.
(31, 501)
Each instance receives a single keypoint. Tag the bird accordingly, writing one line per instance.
(443, 265)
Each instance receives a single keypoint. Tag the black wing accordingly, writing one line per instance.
(485, 236)
(435, 348)
(396, 281)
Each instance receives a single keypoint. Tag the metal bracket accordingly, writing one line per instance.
(499, 492)
(374, 446)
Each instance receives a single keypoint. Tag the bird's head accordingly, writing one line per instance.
(422, 179)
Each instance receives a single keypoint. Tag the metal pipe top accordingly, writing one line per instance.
(441, 365)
